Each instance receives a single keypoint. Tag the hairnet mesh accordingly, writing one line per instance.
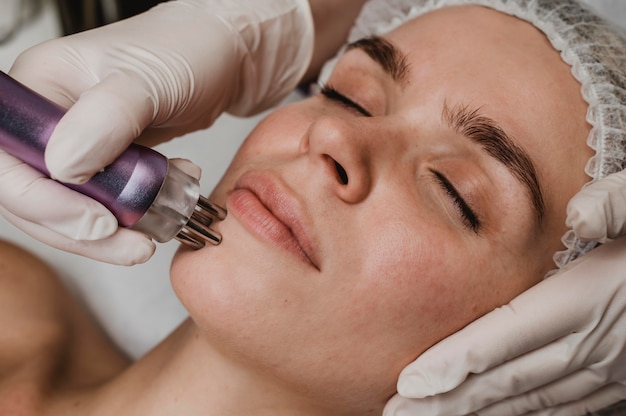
(594, 49)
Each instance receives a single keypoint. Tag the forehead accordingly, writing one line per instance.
(479, 41)
(496, 62)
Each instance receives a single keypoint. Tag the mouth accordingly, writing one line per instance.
(271, 213)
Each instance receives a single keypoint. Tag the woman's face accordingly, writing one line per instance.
(422, 190)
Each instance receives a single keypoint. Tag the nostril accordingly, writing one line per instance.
(343, 175)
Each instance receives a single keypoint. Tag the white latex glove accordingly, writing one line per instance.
(66, 207)
(599, 211)
(557, 349)
(173, 69)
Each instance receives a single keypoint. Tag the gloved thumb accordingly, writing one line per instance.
(98, 128)
(598, 211)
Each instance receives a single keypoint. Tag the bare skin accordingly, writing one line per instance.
(49, 344)
(41, 320)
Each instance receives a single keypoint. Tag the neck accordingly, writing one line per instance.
(183, 375)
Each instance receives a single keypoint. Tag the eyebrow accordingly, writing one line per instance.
(494, 140)
(393, 61)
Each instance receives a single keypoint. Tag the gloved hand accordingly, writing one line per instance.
(557, 349)
(76, 212)
(599, 211)
(173, 69)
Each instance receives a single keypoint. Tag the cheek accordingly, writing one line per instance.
(419, 286)
(424, 286)
(278, 133)
(277, 136)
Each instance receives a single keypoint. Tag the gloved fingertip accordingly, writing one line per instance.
(587, 227)
(92, 224)
(142, 252)
(128, 248)
(415, 387)
(587, 220)
(65, 172)
(572, 217)
(74, 178)
(102, 227)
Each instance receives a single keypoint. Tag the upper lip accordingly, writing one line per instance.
(285, 206)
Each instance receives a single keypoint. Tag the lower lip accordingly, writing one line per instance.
(245, 205)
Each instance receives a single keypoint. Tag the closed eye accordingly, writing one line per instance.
(332, 94)
(470, 219)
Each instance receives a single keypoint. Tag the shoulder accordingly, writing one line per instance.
(47, 339)
(33, 329)
(31, 300)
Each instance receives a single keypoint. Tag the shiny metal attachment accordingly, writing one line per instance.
(197, 232)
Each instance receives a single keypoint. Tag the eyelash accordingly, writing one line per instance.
(331, 93)
(469, 216)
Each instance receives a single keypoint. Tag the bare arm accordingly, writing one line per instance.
(333, 20)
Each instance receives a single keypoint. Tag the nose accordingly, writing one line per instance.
(341, 151)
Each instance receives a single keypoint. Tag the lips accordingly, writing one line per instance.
(268, 210)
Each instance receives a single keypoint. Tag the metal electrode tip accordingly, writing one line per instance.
(197, 232)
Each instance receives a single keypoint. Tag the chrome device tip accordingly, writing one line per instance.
(197, 232)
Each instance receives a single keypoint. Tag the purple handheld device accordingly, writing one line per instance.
(142, 189)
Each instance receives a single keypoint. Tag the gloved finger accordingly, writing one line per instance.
(570, 333)
(562, 392)
(33, 197)
(402, 406)
(188, 167)
(525, 324)
(599, 399)
(52, 83)
(526, 372)
(522, 326)
(125, 247)
(517, 376)
(598, 211)
(99, 127)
